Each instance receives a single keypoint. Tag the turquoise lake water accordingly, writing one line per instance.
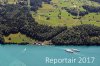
(31, 55)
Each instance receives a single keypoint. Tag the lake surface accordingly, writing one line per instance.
(31, 55)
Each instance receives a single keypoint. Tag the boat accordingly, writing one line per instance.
(72, 50)
(69, 50)
(75, 50)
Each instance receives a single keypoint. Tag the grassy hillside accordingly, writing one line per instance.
(49, 13)
(18, 38)
(12, 1)
(52, 14)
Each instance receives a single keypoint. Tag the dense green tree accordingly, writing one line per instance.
(79, 35)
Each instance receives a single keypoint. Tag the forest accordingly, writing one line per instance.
(75, 12)
(79, 35)
(96, 1)
(35, 4)
(22, 21)
(92, 8)
(88, 9)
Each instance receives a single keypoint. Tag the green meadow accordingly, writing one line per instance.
(12, 1)
(48, 13)
(18, 38)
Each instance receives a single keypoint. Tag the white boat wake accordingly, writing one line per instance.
(24, 50)
(78, 54)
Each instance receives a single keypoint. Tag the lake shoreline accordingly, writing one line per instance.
(41, 44)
